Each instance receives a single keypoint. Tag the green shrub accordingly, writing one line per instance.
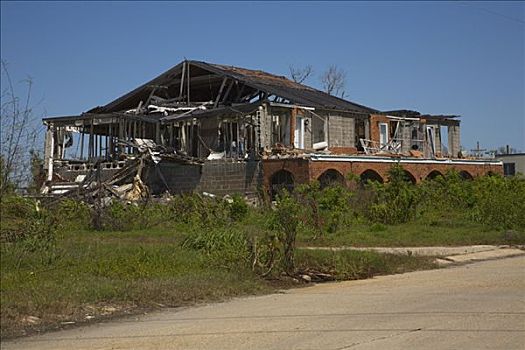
(193, 209)
(284, 221)
(119, 216)
(395, 201)
(499, 202)
(27, 229)
(324, 209)
(73, 214)
(238, 208)
(449, 195)
(15, 213)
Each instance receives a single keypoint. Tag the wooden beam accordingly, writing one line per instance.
(181, 89)
(188, 81)
(239, 93)
(227, 93)
(217, 99)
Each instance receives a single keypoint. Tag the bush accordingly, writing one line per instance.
(395, 201)
(120, 216)
(284, 222)
(324, 209)
(449, 195)
(193, 209)
(499, 202)
(15, 213)
(238, 208)
(73, 214)
(27, 229)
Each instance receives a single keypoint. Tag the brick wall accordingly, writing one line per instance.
(305, 170)
(298, 167)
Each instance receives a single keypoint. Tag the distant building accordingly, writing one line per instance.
(512, 163)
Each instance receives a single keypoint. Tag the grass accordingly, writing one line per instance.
(92, 275)
(443, 232)
(198, 250)
(93, 270)
(352, 265)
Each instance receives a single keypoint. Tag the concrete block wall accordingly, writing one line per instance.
(405, 132)
(218, 177)
(265, 128)
(341, 131)
(69, 175)
(454, 142)
(438, 139)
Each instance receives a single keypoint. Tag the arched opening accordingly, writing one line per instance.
(409, 177)
(465, 175)
(370, 175)
(331, 177)
(279, 181)
(433, 175)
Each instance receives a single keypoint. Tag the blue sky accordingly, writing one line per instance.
(434, 57)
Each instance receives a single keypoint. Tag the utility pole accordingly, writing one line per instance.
(478, 151)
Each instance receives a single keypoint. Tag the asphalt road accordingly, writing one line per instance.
(476, 306)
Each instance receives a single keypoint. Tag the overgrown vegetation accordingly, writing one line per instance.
(57, 268)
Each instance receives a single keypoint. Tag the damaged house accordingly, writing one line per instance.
(220, 129)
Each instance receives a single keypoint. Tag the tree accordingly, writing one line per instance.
(334, 81)
(18, 134)
(300, 74)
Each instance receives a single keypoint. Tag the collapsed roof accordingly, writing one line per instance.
(196, 81)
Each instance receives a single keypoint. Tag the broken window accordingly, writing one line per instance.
(383, 134)
(360, 133)
(318, 130)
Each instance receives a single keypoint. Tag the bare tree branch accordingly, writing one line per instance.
(300, 74)
(18, 135)
(334, 81)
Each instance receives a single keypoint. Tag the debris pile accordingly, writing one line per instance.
(127, 183)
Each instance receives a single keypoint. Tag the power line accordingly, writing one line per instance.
(493, 12)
